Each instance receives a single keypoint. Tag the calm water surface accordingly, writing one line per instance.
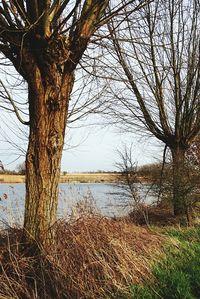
(73, 198)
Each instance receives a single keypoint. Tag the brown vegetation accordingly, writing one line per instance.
(159, 214)
(93, 177)
(68, 178)
(12, 178)
(92, 257)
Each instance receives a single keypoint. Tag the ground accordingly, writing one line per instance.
(96, 257)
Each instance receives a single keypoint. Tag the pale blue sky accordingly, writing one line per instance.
(88, 148)
(96, 149)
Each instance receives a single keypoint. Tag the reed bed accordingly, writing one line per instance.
(92, 257)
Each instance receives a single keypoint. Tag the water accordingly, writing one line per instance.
(73, 199)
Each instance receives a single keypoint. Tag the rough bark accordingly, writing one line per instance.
(179, 184)
(48, 97)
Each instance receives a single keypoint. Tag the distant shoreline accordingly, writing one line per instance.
(11, 178)
(73, 178)
(68, 178)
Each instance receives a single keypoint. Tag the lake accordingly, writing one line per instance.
(73, 199)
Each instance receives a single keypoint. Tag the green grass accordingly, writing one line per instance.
(177, 276)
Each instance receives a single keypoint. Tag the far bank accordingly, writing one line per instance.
(68, 178)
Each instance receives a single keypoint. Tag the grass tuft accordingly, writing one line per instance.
(92, 257)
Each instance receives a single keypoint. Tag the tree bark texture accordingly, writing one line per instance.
(49, 93)
(179, 184)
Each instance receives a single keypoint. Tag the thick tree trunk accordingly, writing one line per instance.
(48, 116)
(179, 184)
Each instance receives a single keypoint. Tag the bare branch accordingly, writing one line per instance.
(15, 109)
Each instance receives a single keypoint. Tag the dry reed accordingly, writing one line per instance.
(92, 257)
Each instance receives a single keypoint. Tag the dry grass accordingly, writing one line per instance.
(12, 178)
(68, 178)
(89, 178)
(153, 215)
(93, 257)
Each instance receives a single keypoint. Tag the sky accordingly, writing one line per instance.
(88, 148)
(96, 149)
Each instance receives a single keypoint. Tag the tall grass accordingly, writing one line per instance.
(92, 257)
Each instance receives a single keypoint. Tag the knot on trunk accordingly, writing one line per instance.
(57, 51)
(54, 143)
(53, 104)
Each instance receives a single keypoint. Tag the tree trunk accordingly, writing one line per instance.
(179, 184)
(48, 117)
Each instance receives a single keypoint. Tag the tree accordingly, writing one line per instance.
(21, 168)
(193, 162)
(193, 155)
(127, 187)
(157, 73)
(1, 167)
(44, 40)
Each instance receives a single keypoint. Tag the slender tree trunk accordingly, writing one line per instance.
(48, 117)
(179, 183)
